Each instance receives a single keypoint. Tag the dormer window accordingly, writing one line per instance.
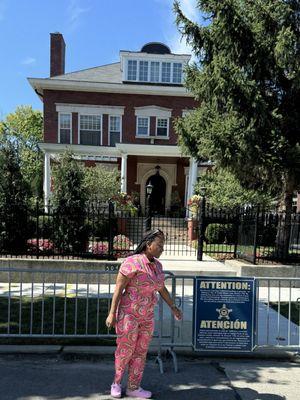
(153, 71)
(143, 71)
(131, 70)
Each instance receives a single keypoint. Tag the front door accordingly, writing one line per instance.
(157, 200)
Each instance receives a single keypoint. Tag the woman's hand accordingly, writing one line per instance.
(176, 312)
(110, 320)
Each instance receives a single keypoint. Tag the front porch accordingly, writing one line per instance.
(171, 174)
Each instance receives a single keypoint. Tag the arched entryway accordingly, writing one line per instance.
(157, 199)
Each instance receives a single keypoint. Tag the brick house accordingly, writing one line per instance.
(120, 115)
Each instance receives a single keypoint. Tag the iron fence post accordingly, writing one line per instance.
(111, 234)
(255, 235)
(37, 228)
(201, 221)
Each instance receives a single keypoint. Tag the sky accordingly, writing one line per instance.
(94, 31)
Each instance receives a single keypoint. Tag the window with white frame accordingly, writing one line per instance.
(177, 72)
(65, 128)
(166, 72)
(132, 70)
(90, 130)
(143, 71)
(114, 130)
(162, 127)
(142, 126)
(154, 71)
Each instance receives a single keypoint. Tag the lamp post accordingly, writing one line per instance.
(149, 189)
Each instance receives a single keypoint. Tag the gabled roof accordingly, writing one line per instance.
(110, 73)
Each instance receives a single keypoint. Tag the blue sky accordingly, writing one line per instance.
(94, 32)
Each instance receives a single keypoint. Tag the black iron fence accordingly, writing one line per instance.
(252, 234)
(266, 236)
(99, 231)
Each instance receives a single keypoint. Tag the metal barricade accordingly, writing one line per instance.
(55, 303)
(277, 316)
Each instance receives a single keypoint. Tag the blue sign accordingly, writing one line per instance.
(224, 314)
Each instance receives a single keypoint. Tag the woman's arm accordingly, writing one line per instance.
(121, 283)
(168, 299)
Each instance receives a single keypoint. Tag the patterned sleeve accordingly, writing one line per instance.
(128, 269)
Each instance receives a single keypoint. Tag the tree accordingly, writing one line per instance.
(14, 193)
(224, 190)
(247, 81)
(101, 183)
(25, 127)
(68, 204)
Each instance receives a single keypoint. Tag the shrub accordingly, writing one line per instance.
(220, 233)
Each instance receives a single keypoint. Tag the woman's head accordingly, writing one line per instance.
(152, 244)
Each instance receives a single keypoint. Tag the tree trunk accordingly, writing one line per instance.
(284, 222)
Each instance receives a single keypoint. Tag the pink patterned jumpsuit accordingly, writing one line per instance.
(135, 316)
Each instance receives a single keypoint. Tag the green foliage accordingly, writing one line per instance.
(68, 202)
(101, 183)
(224, 190)
(13, 199)
(25, 127)
(247, 83)
(220, 233)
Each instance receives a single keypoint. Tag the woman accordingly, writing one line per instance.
(132, 312)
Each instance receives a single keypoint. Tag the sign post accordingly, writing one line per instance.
(224, 318)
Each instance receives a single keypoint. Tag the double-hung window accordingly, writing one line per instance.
(166, 72)
(90, 130)
(162, 127)
(132, 70)
(114, 130)
(142, 126)
(143, 71)
(154, 71)
(65, 128)
(177, 72)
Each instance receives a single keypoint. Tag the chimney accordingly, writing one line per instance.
(57, 54)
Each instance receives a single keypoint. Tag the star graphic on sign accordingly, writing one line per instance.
(223, 312)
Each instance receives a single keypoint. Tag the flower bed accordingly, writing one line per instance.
(40, 245)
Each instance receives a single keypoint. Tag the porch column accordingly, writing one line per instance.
(124, 173)
(47, 177)
(193, 172)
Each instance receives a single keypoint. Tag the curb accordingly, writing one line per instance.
(101, 351)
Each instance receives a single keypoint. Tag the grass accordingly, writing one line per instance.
(76, 321)
(284, 311)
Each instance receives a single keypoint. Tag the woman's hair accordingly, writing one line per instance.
(147, 239)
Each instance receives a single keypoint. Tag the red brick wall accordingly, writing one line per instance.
(113, 99)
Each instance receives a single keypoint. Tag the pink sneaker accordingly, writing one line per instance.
(139, 393)
(116, 390)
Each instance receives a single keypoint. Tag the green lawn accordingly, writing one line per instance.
(75, 322)
(284, 310)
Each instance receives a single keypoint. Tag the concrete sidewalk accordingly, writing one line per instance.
(47, 378)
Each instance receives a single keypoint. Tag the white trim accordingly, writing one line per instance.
(153, 111)
(130, 149)
(58, 130)
(47, 178)
(150, 150)
(121, 121)
(40, 84)
(56, 148)
(168, 132)
(101, 127)
(136, 128)
(186, 111)
(124, 173)
(89, 109)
